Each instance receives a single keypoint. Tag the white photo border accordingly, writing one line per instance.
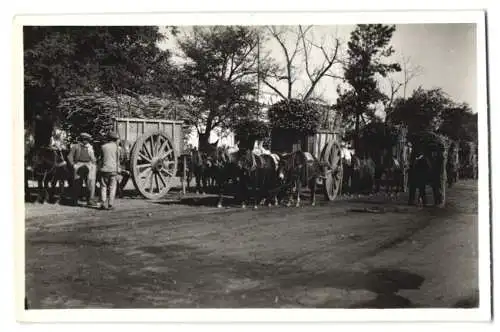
(483, 313)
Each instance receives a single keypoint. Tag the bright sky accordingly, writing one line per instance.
(445, 53)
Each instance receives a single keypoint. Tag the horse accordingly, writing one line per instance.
(426, 170)
(452, 165)
(185, 158)
(390, 174)
(48, 166)
(363, 174)
(268, 180)
(199, 166)
(239, 167)
(297, 169)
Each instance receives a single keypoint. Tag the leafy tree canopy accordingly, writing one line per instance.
(63, 59)
(220, 75)
(296, 115)
(368, 46)
(422, 111)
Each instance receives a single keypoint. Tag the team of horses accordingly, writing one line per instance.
(254, 179)
(278, 177)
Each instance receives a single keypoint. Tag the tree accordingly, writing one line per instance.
(298, 49)
(368, 46)
(408, 73)
(219, 78)
(422, 111)
(459, 123)
(59, 60)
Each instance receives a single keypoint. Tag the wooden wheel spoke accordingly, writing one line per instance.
(141, 166)
(166, 155)
(157, 183)
(146, 156)
(168, 162)
(151, 177)
(162, 179)
(170, 174)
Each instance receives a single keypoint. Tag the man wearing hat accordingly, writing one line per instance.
(109, 170)
(82, 158)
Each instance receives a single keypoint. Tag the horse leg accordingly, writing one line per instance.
(299, 190)
(257, 195)
(221, 189)
(243, 191)
(422, 195)
(312, 187)
(198, 182)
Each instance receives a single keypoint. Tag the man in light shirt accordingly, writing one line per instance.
(82, 158)
(109, 170)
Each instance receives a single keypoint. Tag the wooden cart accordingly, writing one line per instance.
(156, 147)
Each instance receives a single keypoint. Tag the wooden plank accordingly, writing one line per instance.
(148, 120)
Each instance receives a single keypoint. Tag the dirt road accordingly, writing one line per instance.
(190, 254)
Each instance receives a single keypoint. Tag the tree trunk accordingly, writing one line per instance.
(203, 140)
(356, 134)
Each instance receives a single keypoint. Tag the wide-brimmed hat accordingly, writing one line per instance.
(85, 136)
(113, 135)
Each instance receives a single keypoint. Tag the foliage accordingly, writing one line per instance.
(248, 130)
(219, 78)
(459, 123)
(377, 136)
(65, 59)
(368, 46)
(296, 115)
(422, 111)
(428, 141)
(94, 112)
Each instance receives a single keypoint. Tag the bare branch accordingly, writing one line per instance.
(329, 63)
(273, 88)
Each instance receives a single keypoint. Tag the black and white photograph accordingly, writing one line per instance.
(254, 164)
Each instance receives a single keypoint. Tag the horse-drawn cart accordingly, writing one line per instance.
(324, 146)
(155, 148)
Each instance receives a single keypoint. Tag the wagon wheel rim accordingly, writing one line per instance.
(331, 155)
(153, 164)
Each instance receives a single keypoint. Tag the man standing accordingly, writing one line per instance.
(82, 158)
(109, 170)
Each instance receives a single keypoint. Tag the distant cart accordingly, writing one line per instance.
(156, 147)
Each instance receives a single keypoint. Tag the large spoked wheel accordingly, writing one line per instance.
(153, 163)
(332, 156)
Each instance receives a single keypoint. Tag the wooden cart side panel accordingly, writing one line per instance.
(132, 129)
(318, 141)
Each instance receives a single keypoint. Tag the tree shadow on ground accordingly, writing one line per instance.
(277, 278)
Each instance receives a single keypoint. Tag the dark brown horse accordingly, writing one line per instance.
(298, 169)
(453, 163)
(363, 177)
(50, 168)
(240, 168)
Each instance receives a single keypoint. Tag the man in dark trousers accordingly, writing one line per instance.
(109, 170)
(82, 159)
